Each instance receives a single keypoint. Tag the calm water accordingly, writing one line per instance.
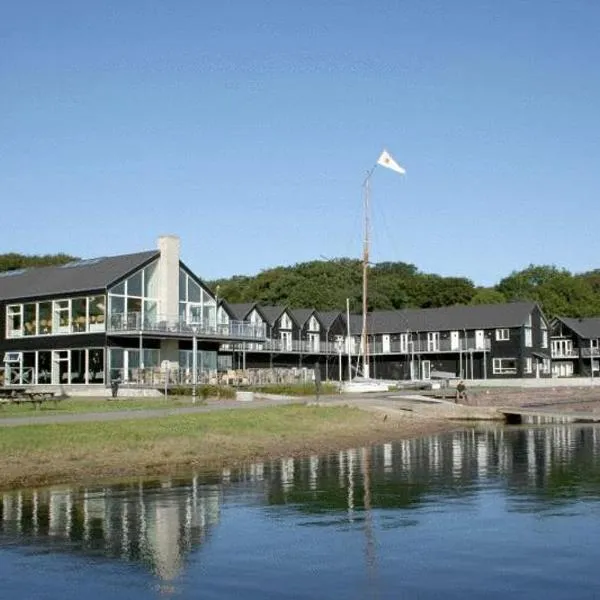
(493, 513)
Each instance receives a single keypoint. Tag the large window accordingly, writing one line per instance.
(504, 366)
(14, 320)
(544, 328)
(196, 306)
(55, 367)
(61, 316)
(134, 302)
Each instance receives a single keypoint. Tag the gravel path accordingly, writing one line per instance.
(563, 399)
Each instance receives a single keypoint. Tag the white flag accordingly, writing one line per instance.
(386, 160)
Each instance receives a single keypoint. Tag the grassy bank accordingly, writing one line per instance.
(83, 452)
(94, 405)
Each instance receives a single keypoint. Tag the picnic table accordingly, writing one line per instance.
(24, 395)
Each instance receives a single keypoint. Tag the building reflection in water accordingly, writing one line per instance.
(159, 523)
(155, 523)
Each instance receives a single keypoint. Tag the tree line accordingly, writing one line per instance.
(13, 261)
(326, 284)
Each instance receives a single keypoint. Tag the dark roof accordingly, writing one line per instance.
(239, 311)
(447, 318)
(302, 315)
(76, 277)
(328, 317)
(586, 328)
(272, 313)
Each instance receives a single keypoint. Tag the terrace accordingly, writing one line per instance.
(133, 324)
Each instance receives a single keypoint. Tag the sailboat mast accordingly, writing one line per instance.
(365, 303)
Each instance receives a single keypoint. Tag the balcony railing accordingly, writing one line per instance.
(584, 352)
(133, 323)
(424, 346)
(393, 347)
(293, 346)
(566, 353)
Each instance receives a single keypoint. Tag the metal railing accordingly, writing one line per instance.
(181, 376)
(423, 346)
(134, 323)
(566, 353)
(292, 346)
(393, 347)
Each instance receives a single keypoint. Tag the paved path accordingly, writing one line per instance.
(146, 413)
(398, 404)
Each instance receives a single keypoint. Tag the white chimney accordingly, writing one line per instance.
(168, 278)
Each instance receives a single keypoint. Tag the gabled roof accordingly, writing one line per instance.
(328, 317)
(585, 328)
(273, 313)
(239, 311)
(302, 315)
(72, 278)
(447, 318)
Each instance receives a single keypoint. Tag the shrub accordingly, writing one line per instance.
(203, 391)
(294, 389)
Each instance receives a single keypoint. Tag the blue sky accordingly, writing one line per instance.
(247, 127)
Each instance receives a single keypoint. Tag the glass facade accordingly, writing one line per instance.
(81, 314)
(134, 302)
(56, 367)
(196, 306)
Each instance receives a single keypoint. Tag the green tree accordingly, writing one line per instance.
(487, 296)
(12, 261)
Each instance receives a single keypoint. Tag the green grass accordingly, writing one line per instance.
(93, 405)
(295, 389)
(279, 421)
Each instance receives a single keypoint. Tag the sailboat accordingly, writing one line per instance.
(366, 383)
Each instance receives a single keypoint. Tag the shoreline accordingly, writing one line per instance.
(179, 454)
(97, 451)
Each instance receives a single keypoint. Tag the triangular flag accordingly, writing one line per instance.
(386, 160)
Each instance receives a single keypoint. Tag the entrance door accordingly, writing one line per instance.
(61, 369)
(414, 370)
(454, 340)
(426, 370)
(385, 343)
(286, 340)
(479, 340)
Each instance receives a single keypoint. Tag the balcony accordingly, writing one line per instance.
(293, 347)
(425, 347)
(375, 348)
(566, 352)
(132, 324)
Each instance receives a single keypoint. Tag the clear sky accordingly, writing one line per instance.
(246, 128)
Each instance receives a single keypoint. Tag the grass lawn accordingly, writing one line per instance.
(95, 405)
(91, 451)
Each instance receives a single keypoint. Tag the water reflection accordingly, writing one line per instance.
(154, 523)
(160, 523)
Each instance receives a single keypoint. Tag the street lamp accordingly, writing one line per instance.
(194, 365)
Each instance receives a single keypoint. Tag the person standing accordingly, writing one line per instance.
(317, 378)
(461, 391)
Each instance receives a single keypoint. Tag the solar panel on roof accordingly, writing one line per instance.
(82, 263)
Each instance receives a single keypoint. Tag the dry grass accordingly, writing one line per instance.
(82, 452)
